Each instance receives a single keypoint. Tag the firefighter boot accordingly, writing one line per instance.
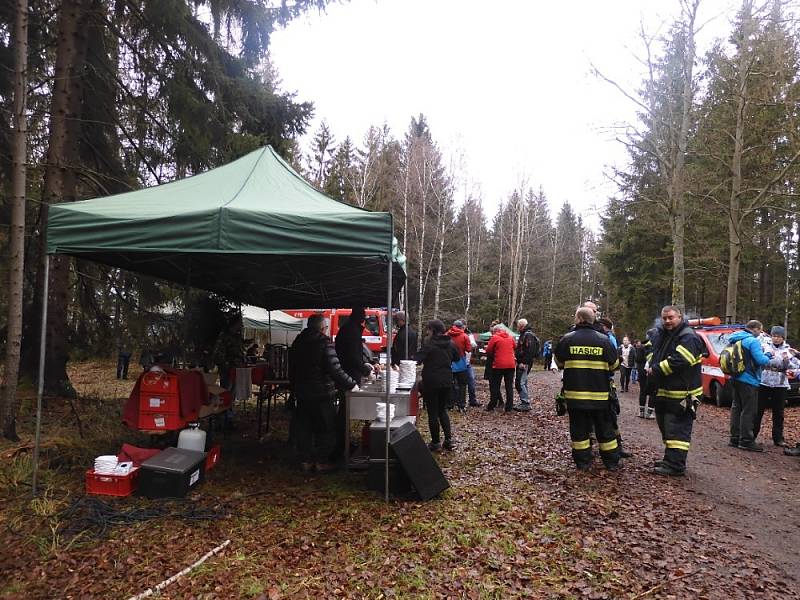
(622, 452)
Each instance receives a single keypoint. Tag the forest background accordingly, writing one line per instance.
(119, 95)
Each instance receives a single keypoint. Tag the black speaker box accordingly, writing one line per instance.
(399, 484)
(418, 462)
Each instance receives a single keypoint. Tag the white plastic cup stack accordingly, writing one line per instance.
(380, 409)
(408, 372)
(105, 465)
(391, 378)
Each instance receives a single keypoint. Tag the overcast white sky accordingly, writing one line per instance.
(505, 83)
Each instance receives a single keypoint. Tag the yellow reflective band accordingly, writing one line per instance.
(605, 446)
(586, 364)
(679, 394)
(586, 350)
(664, 366)
(649, 357)
(684, 352)
(576, 395)
(582, 445)
(676, 444)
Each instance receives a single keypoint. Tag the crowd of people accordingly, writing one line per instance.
(668, 371)
(666, 366)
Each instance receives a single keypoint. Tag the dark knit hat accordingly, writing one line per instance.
(778, 330)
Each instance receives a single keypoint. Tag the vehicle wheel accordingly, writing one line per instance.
(718, 393)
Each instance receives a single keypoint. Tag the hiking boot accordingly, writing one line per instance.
(733, 443)
(751, 447)
(449, 445)
(641, 412)
(780, 443)
(791, 451)
(524, 407)
(650, 413)
(667, 471)
(434, 447)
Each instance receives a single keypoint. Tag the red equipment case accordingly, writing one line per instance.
(111, 485)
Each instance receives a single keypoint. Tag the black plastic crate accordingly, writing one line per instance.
(171, 473)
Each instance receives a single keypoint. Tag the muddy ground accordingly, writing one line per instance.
(517, 522)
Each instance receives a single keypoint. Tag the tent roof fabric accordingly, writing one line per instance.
(252, 230)
(487, 335)
(254, 317)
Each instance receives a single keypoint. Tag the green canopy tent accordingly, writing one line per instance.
(253, 231)
(487, 335)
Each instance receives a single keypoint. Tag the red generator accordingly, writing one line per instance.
(159, 402)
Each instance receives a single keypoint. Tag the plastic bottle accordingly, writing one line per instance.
(192, 438)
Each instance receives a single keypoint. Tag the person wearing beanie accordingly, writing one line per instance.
(744, 407)
(775, 383)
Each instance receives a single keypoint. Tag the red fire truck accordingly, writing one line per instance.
(374, 327)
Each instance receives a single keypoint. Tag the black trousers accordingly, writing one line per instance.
(460, 389)
(744, 410)
(644, 389)
(123, 360)
(624, 377)
(436, 401)
(315, 427)
(581, 424)
(496, 397)
(676, 431)
(774, 398)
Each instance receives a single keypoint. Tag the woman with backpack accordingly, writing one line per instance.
(437, 355)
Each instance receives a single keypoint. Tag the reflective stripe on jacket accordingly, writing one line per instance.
(587, 358)
(675, 361)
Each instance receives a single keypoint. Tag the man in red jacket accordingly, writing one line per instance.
(500, 352)
(461, 341)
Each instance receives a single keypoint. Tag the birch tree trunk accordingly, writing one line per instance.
(16, 250)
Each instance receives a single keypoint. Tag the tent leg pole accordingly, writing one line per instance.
(40, 388)
(387, 377)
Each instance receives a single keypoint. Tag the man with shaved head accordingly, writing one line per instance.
(588, 358)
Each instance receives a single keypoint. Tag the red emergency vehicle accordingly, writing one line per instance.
(374, 333)
(716, 336)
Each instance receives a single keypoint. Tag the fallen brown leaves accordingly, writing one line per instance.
(519, 521)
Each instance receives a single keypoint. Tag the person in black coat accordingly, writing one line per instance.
(399, 344)
(437, 355)
(315, 374)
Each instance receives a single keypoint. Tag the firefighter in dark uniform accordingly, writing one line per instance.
(675, 369)
(587, 357)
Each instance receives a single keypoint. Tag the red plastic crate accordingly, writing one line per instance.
(160, 421)
(156, 382)
(154, 402)
(212, 457)
(111, 485)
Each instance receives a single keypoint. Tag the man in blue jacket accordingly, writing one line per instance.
(744, 407)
